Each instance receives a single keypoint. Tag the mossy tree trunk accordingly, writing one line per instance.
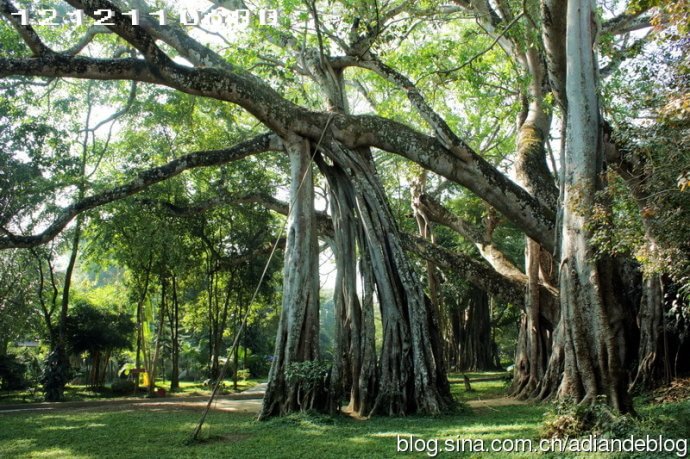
(590, 344)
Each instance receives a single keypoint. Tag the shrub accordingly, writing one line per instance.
(258, 365)
(311, 378)
(243, 374)
(123, 387)
(12, 373)
(308, 374)
(568, 419)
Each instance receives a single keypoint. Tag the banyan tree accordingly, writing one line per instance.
(308, 81)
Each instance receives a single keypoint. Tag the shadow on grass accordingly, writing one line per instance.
(139, 433)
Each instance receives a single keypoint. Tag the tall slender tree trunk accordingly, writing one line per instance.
(140, 311)
(425, 229)
(175, 338)
(57, 369)
(533, 347)
(153, 363)
(591, 335)
(298, 330)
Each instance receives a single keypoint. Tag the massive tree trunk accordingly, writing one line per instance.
(411, 374)
(298, 331)
(354, 360)
(410, 377)
(591, 336)
(353, 374)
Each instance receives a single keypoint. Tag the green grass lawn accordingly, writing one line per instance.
(481, 390)
(198, 388)
(163, 431)
(138, 433)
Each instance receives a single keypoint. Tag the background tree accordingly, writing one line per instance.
(98, 332)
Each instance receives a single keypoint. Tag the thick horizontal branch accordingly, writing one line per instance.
(284, 117)
(145, 179)
(476, 272)
(488, 250)
(473, 172)
(63, 65)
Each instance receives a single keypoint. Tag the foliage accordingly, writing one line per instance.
(18, 286)
(258, 365)
(94, 330)
(569, 419)
(308, 374)
(123, 387)
(243, 374)
(650, 113)
(11, 373)
(310, 378)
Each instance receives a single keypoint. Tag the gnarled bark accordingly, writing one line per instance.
(354, 361)
(411, 377)
(654, 366)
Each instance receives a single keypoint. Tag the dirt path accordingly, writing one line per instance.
(494, 402)
(247, 401)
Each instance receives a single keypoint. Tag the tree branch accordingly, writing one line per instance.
(28, 34)
(626, 23)
(488, 250)
(62, 65)
(476, 272)
(86, 39)
(460, 164)
(145, 179)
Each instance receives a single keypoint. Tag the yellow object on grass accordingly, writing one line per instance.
(143, 379)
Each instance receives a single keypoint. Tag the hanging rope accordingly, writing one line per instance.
(236, 341)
